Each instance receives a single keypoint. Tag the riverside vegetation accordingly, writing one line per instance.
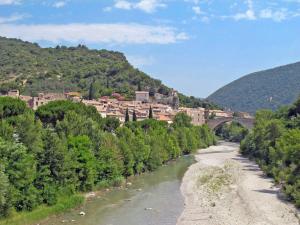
(49, 156)
(275, 144)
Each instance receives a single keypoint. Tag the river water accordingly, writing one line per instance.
(153, 199)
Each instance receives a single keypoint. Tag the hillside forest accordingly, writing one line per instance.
(31, 69)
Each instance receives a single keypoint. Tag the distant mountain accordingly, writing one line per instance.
(268, 89)
(32, 69)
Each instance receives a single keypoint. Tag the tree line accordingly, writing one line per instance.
(64, 148)
(275, 144)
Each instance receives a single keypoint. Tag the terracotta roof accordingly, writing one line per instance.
(164, 118)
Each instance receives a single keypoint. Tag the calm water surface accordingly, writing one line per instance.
(159, 191)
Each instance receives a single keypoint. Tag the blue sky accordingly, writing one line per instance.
(195, 46)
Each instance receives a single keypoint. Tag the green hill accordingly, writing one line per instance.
(268, 89)
(32, 69)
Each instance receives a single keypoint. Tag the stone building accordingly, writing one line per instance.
(44, 98)
(197, 115)
(171, 99)
(13, 93)
(142, 96)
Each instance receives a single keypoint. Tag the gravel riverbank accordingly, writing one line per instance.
(224, 188)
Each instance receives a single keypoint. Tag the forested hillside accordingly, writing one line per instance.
(267, 89)
(32, 69)
(275, 144)
(63, 148)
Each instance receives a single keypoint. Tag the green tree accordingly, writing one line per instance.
(150, 113)
(93, 90)
(6, 130)
(127, 116)
(111, 124)
(11, 107)
(109, 161)
(134, 118)
(139, 86)
(20, 168)
(56, 157)
(29, 132)
(83, 161)
(5, 203)
(182, 140)
(56, 110)
(182, 120)
(125, 137)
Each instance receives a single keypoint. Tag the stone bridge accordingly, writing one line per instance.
(218, 121)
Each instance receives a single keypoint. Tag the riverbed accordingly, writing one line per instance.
(152, 199)
(225, 188)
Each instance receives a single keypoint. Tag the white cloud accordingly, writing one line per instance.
(277, 16)
(248, 15)
(148, 6)
(197, 10)
(95, 33)
(10, 2)
(12, 18)
(122, 4)
(59, 4)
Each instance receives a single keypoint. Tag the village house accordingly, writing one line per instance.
(13, 93)
(44, 98)
(115, 106)
(142, 96)
(197, 115)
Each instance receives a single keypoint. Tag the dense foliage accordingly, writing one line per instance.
(275, 144)
(64, 148)
(233, 132)
(32, 69)
(269, 89)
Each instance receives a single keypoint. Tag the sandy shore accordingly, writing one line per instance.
(225, 188)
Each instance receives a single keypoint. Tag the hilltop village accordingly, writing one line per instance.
(164, 107)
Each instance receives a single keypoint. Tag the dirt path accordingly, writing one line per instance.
(225, 188)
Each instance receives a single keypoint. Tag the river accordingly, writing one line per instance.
(153, 199)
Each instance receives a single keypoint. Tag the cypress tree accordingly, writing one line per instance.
(127, 116)
(150, 113)
(107, 81)
(139, 86)
(92, 90)
(134, 118)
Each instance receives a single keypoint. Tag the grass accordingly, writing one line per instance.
(42, 212)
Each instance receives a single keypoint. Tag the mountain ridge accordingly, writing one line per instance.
(265, 89)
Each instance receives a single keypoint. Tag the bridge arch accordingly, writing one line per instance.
(216, 122)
